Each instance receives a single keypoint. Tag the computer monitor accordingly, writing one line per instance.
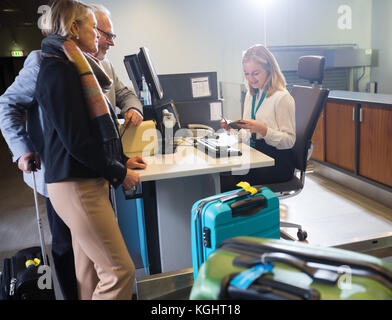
(150, 75)
(134, 72)
(139, 65)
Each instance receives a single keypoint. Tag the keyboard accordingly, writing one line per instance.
(213, 147)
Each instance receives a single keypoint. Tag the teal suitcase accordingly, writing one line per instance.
(250, 268)
(231, 214)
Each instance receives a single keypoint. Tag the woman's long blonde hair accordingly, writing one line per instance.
(275, 79)
(62, 14)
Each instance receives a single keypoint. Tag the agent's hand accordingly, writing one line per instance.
(133, 117)
(136, 163)
(225, 125)
(23, 161)
(254, 126)
(131, 180)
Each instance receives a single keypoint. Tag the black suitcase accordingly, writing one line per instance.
(27, 275)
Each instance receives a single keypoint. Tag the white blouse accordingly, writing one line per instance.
(277, 112)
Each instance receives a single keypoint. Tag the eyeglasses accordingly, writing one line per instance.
(108, 36)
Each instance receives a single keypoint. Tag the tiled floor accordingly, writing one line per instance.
(334, 215)
(18, 226)
(330, 213)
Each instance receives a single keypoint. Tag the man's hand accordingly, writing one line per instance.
(133, 117)
(131, 180)
(23, 161)
(136, 163)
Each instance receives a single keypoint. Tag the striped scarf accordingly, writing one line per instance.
(94, 83)
(96, 101)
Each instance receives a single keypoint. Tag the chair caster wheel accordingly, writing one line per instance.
(302, 235)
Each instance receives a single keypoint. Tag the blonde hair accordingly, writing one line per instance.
(275, 80)
(63, 13)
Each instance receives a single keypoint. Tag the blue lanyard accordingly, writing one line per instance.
(258, 105)
(253, 138)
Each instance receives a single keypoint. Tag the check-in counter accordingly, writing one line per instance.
(156, 225)
(354, 134)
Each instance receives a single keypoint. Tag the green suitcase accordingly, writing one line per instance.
(248, 268)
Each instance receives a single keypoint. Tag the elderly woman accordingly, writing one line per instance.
(268, 119)
(83, 153)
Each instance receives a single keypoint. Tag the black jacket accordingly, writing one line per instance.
(72, 148)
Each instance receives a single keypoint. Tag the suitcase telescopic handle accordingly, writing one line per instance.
(33, 165)
(248, 207)
(319, 275)
(237, 194)
(33, 169)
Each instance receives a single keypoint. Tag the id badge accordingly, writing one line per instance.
(253, 143)
(253, 140)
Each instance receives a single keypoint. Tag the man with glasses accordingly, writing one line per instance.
(25, 142)
(119, 95)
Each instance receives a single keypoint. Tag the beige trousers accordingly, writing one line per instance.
(104, 269)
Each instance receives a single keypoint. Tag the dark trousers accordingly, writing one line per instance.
(282, 171)
(62, 253)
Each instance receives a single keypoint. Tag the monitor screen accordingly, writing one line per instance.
(149, 73)
(134, 72)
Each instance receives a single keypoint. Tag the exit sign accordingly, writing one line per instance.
(17, 53)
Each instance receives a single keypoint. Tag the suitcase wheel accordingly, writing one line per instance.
(302, 235)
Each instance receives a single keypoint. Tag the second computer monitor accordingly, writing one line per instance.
(150, 74)
(139, 65)
(134, 71)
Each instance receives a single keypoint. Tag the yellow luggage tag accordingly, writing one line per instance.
(247, 187)
(34, 262)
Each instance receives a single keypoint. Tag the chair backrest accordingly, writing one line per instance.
(309, 102)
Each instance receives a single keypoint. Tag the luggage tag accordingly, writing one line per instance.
(32, 262)
(245, 279)
(247, 190)
(247, 187)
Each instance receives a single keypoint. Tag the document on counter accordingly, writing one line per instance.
(200, 87)
(215, 111)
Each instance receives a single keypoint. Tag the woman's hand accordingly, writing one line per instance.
(254, 126)
(136, 163)
(131, 180)
(225, 125)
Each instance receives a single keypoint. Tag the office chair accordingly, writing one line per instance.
(309, 102)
